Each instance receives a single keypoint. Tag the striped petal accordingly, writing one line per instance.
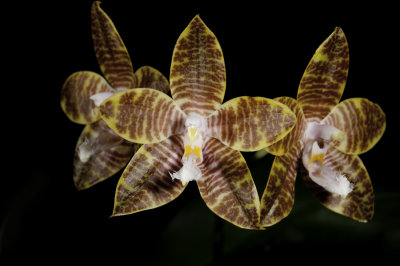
(227, 186)
(75, 96)
(99, 154)
(284, 145)
(359, 204)
(146, 182)
(142, 115)
(198, 70)
(362, 121)
(149, 77)
(110, 50)
(323, 82)
(250, 123)
(278, 198)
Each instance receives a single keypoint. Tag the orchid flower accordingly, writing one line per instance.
(100, 153)
(328, 137)
(193, 136)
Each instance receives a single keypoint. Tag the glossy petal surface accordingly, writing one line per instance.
(146, 182)
(359, 204)
(198, 70)
(149, 77)
(278, 197)
(284, 145)
(75, 96)
(322, 84)
(227, 186)
(110, 50)
(142, 115)
(362, 121)
(109, 153)
(250, 123)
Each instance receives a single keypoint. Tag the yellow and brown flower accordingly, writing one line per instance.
(328, 137)
(100, 153)
(193, 136)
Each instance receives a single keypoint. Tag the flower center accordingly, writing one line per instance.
(317, 139)
(193, 155)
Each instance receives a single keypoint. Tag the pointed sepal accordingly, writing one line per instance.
(227, 186)
(146, 182)
(99, 154)
(250, 123)
(110, 50)
(197, 75)
(278, 197)
(362, 121)
(75, 96)
(359, 203)
(323, 82)
(143, 115)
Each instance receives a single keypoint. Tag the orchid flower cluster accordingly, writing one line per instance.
(165, 142)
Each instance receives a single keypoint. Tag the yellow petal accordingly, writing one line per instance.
(284, 145)
(76, 93)
(197, 70)
(146, 182)
(143, 115)
(362, 121)
(105, 155)
(110, 50)
(227, 186)
(322, 84)
(149, 77)
(359, 203)
(251, 123)
(278, 197)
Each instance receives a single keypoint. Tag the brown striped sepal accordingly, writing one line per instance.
(99, 154)
(362, 121)
(149, 77)
(227, 186)
(322, 84)
(278, 197)
(358, 204)
(146, 182)
(143, 115)
(110, 50)
(197, 74)
(284, 145)
(75, 96)
(250, 123)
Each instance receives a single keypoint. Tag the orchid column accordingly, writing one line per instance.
(192, 136)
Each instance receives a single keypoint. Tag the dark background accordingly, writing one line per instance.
(266, 49)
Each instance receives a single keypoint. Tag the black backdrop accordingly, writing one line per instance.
(266, 49)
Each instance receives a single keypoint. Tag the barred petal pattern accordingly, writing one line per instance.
(110, 50)
(110, 154)
(359, 204)
(149, 77)
(278, 197)
(323, 82)
(197, 74)
(146, 183)
(142, 115)
(362, 121)
(227, 186)
(250, 123)
(284, 145)
(75, 96)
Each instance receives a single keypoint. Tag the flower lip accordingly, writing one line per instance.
(323, 175)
